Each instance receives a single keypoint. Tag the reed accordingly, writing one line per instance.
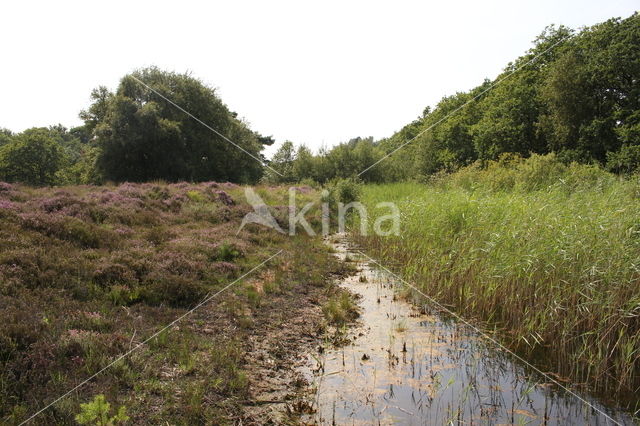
(548, 254)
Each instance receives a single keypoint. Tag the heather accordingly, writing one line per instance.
(87, 272)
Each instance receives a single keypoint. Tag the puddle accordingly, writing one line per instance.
(405, 366)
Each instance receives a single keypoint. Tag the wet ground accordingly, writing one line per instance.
(413, 367)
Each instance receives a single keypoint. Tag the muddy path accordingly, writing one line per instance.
(410, 366)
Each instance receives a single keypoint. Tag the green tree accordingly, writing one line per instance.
(5, 136)
(142, 136)
(304, 166)
(97, 111)
(33, 157)
(592, 91)
(282, 163)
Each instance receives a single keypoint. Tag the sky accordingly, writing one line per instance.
(317, 73)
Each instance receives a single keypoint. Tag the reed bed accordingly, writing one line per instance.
(545, 254)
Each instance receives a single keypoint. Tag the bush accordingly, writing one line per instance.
(196, 196)
(228, 252)
(69, 229)
(627, 160)
(343, 191)
(98, 412)
(538, 172)
(174, 290)
(33, 157)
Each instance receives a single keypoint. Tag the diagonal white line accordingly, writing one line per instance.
(205, 124)
(141, 344)
(491, 339)
(494, 84)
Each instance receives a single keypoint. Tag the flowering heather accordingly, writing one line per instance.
(225, 268)
(180, 185)
(179, 263)
(65, 204)
(86, 272)
(131, 190)
(93, 315)
(193, 244)
(112, 273)
(224, 198)
(175, 202)
(8, 205)
(119, 199)
(123, 230)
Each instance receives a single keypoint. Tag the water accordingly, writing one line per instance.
(406, 366)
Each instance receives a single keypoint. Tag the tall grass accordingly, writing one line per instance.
(547, 253)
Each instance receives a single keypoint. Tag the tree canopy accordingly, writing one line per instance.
(576, 94)
(142, 136)
(32, 157)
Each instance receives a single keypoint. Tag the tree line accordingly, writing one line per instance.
(134, 134)
(574, 93)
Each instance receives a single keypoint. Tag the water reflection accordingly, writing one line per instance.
(411, 367)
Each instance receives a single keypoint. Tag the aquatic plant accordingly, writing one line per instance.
(544, 251)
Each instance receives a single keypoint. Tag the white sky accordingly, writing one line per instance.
(318, 73)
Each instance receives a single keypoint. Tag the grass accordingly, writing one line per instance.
(340, 309)
(545, 253)
(88, 272)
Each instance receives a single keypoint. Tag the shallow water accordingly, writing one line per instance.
(406, 366)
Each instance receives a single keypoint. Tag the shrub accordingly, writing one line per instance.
(224, 198)
(538, 172)
(626, 160)
(226, 268)
(123, 295)
(98, 412)
(196, 196)
(346, 191)
(159, 193)
(69, 229)
(174, 290)
(228, 252)
(113, 273)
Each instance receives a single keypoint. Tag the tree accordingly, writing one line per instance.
(97, 111)
(143, 137)
(5, 136)
(33, 157)
(304, 166)
(283, 163)
(592, 91)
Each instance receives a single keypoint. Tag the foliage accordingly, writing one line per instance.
(142, 136)
(344, 191)
(573, 93)
(87, 272)
(98, 412)
(281, 169)
(626, 160)
(341, 162)
(33, 157)
(542, 249)
(340, 309)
